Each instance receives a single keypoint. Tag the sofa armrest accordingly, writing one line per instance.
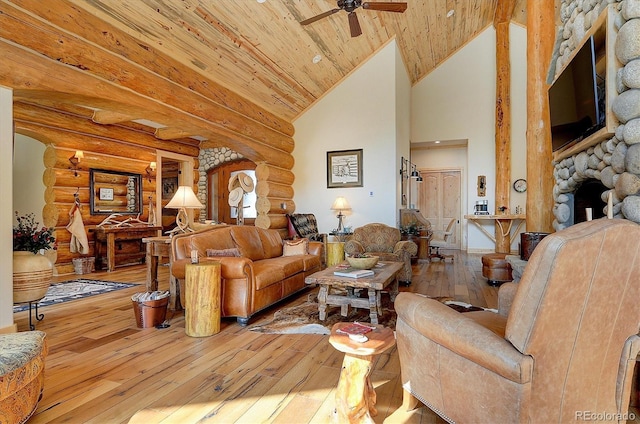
(231, 267)
(505, 297)
(405, 246)
(316, 248)
(463, 336)
(353, 246)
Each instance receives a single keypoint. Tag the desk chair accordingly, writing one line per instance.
(441, 239)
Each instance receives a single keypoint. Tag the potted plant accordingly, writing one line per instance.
(32, 271)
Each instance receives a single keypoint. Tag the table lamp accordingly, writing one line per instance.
(340, 204)
(183, 199)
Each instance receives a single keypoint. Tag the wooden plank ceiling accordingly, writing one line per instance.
(261, 52)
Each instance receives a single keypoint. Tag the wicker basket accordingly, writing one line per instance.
(150, 313)
(84, 265)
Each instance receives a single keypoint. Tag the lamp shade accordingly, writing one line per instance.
(340, 204)
(184, 198)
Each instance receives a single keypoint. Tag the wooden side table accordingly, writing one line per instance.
(355, 395)
(202, 299)
(335, 252)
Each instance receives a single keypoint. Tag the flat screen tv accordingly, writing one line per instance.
(576, 99)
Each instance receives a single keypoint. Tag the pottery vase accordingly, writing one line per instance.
(32, 276)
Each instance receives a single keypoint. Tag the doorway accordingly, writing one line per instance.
(218, 207)
(439, 201)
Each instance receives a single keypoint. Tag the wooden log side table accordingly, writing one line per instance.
(355, 395)
(202, 299)
(335, 252)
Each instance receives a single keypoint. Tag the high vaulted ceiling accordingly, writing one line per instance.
(261, 52)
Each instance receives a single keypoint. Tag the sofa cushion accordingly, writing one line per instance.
(271, 243)
(248, 240)
(296, 247)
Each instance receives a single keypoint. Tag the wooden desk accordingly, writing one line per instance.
(504, 224)
(106, 245)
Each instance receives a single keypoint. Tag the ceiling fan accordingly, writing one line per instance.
(350, 6)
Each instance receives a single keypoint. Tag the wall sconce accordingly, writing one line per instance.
(340, 204)
(150, 170)
(405, 165)
(75, 160)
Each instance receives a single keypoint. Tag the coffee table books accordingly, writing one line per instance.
(353, 272)
(355, 328)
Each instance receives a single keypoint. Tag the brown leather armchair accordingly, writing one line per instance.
(564, 350)
(385, 242)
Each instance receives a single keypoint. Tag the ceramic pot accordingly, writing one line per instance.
(32, 276)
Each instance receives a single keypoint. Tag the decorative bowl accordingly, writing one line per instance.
(366, 262)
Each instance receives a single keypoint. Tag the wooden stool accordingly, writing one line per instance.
(496, 269)
(355, 395)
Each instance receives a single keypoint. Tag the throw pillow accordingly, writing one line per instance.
(296, 247)
(223, 252)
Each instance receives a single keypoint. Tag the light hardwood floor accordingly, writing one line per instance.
(101, 368)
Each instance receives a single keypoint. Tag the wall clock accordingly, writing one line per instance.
(520, 185)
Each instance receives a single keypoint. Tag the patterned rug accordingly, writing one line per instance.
(305, 318)
(74, 289)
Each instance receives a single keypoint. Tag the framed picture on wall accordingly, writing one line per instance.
(106, 194)
(344, 168)
(169, 187)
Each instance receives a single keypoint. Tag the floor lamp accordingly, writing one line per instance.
(184, 199)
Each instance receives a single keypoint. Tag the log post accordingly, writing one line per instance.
(501, 22)
(202, 299)
(540, 27)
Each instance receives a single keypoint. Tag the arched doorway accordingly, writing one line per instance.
(218, 207)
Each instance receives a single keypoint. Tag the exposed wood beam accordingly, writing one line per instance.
(107, 117)
(501, 22)
(171, 133)
(540, 42)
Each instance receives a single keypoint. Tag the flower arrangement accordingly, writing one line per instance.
(27, 236)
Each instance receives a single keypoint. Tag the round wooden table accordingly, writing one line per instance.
(355, 395)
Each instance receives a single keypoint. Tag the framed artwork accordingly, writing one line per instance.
(169, 187)
(344, 168)
(106, 194)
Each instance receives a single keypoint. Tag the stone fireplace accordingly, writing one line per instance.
(613, 165)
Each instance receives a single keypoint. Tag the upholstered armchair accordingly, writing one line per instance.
(385, 242)
(565, 347)
(306, 225)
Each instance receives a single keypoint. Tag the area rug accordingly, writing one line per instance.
(74, 289)
(305, 318)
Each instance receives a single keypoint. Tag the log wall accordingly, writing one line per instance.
(105, 147)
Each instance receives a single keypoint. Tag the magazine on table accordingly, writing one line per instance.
(356, 328)
(353, 273)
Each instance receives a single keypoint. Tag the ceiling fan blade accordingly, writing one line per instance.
(318, 17)
(354, 24)
(385, 6)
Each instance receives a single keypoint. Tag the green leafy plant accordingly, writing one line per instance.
(27, 237)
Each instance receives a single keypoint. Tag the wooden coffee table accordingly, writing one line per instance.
(384, 276)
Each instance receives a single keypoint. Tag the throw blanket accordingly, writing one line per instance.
(79, 239)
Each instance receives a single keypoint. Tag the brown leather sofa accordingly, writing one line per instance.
(562, 349)
(258, 278)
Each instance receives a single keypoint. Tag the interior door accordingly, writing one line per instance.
(439, 201)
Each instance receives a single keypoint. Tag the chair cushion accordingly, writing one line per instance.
(22, 358)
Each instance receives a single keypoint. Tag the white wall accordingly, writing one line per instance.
(6, 211)
(359, 113)
(457, 101)
(28, 169)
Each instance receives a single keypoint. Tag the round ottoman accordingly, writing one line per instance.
(22, 358)
(496, 269)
